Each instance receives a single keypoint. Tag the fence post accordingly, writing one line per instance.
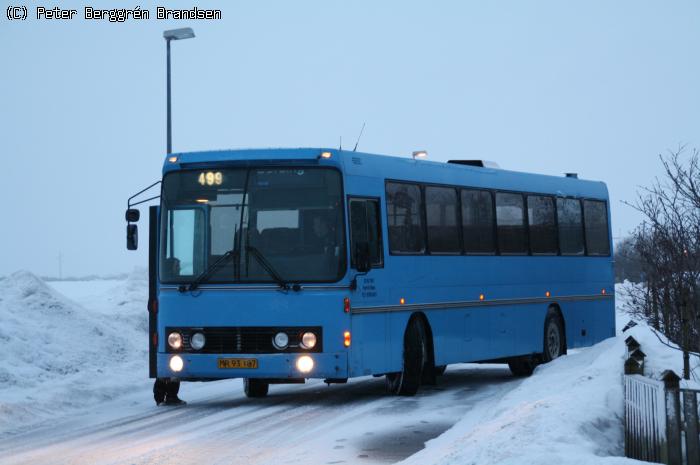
(632, 344)
(692, 441)
(633, 367)
(638, 355)
(673, 417)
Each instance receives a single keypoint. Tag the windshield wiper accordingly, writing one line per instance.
(204, 275)
(270, 269)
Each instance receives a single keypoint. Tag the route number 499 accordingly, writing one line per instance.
(210, 178)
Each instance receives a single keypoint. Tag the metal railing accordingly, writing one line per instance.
(658, 427)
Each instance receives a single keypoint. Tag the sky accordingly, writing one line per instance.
(594, 87)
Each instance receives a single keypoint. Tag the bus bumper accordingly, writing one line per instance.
(206, 366)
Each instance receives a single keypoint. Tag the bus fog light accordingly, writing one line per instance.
(280, 341)
(176, 363)
(175, 340)
(308, 340)
(197, 341)
(305, 364)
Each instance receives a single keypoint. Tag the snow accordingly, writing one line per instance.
(74, 383)
(55, 351)
(569, 412)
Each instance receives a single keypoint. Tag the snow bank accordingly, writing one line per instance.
(569, 412)
(61, 356)
(58, 355)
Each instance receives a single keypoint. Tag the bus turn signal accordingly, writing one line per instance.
(346, 338)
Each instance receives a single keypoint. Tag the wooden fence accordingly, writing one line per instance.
(658, 427)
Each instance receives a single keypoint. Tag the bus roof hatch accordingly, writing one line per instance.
(479, 163)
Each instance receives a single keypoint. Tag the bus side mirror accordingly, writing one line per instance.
(132, 237)
(363, 261)
(132, 215)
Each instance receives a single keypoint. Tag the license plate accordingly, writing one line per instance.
(238, 363)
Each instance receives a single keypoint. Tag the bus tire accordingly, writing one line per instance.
(523, 366)
(159, 390)
(407, 381)
(554, 344)
(255, 387)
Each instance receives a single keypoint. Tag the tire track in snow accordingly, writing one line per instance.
(295, 424)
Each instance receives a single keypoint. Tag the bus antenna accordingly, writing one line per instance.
(358, 137)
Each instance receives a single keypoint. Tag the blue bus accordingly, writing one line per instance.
(281, 265)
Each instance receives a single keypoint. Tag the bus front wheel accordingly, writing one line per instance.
(255, 387)
(415, 354)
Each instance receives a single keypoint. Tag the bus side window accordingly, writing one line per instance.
(595, 217)
(365, 227)
(477, 222)
(441, 218)
(570, 222)
(404, 206)
(543, 225)
(510, 220)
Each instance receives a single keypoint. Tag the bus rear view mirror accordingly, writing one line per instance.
(363, 261)
(132, 237)
(132, 215)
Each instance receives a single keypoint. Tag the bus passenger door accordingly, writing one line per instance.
(153, 228)
(368, 328)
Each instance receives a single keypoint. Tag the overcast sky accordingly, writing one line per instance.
(594, 87)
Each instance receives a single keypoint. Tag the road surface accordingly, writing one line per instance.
(296, 424)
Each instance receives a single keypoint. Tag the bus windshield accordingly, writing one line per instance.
(277, 221)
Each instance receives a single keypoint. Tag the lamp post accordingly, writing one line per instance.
(173, 34)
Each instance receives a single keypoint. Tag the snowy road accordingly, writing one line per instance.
(309, 424)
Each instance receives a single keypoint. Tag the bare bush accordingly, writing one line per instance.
(628, 264)
(668, 245)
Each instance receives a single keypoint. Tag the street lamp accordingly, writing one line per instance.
(173, 34)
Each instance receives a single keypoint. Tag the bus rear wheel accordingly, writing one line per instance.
(407, 381)
(523, 366)
(554, 344)
(255, 387)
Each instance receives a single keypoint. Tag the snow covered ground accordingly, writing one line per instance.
(74, 389)
(61, 353)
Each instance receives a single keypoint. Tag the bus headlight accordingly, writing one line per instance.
(308, 340)
(175, 340)
(197, 341)
(176, 363)
(280, 341)
(305, 364)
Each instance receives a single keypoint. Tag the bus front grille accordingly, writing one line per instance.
(246, 339)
